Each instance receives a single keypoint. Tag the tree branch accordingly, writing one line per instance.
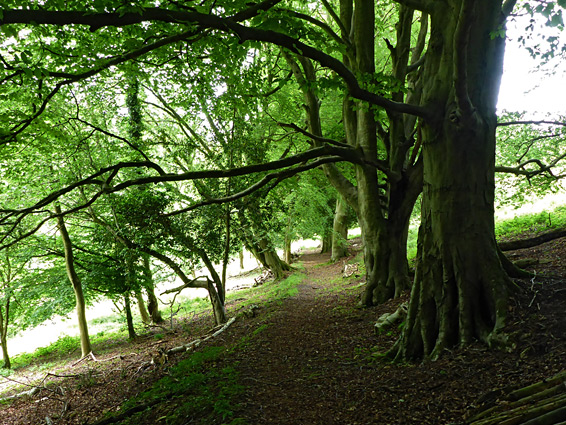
(278, 177)
(313, 136)
(531, 122)
(98, 20)
(73, 78)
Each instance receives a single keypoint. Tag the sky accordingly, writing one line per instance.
(525, 89)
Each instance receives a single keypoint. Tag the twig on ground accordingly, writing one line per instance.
(91, 355)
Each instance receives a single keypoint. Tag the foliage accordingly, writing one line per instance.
(533, 155)
(531, 223)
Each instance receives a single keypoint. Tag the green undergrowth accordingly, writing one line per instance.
(65, 347)
(273, 291)
(531, 223)
(197, 390)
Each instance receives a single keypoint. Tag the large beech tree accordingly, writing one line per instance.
(461, 289)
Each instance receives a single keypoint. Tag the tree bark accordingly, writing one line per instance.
(144, 314)
(461, 289)
(4, 320)
(129, 317)
(258, 243)
(272, 260)
(86, 347)
(340, 230)
(326, 242)
(287, 242)
(152, 302)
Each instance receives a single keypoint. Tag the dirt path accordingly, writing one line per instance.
(291, 367)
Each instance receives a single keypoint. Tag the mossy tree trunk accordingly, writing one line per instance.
(257, 242)
(383, 197)
(460, 292)
(144, 314)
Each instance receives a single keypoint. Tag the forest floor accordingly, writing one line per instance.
(309, 359)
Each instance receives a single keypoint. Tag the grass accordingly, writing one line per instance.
(269, 291)
(531, 223)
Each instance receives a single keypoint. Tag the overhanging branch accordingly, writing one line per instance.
(98, 20)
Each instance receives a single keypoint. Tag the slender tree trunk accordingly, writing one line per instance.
(129, 317)
(141, 306)
(4, 320)
(262, 248)
(86, 347)
(274, 263)
(287, 250)
(218, 307)
(287, 241)
(326, 242)
(152, 302)
(241, 257)
(340, 230)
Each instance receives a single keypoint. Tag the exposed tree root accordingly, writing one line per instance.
(542, 403)
(387, 320)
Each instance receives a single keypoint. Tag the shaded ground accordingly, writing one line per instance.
(308, 359)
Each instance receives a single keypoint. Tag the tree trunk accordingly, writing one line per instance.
(272, 260)
(326, 242)
(287, 242)
(461, 289)
(129, 317)
(340, 230)
(141, 306)
(152, 303)
(4, 334)
(386, 263)
(287, 250)
(218, 306)
(241, 256)
(86, 348)
(262, 249)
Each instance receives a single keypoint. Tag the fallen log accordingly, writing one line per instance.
(530, 242)
(542, 403)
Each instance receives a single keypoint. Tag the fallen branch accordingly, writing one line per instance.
(91, 355)
(530, 242)
(197, 342)
(542, 403)
(30, 393)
